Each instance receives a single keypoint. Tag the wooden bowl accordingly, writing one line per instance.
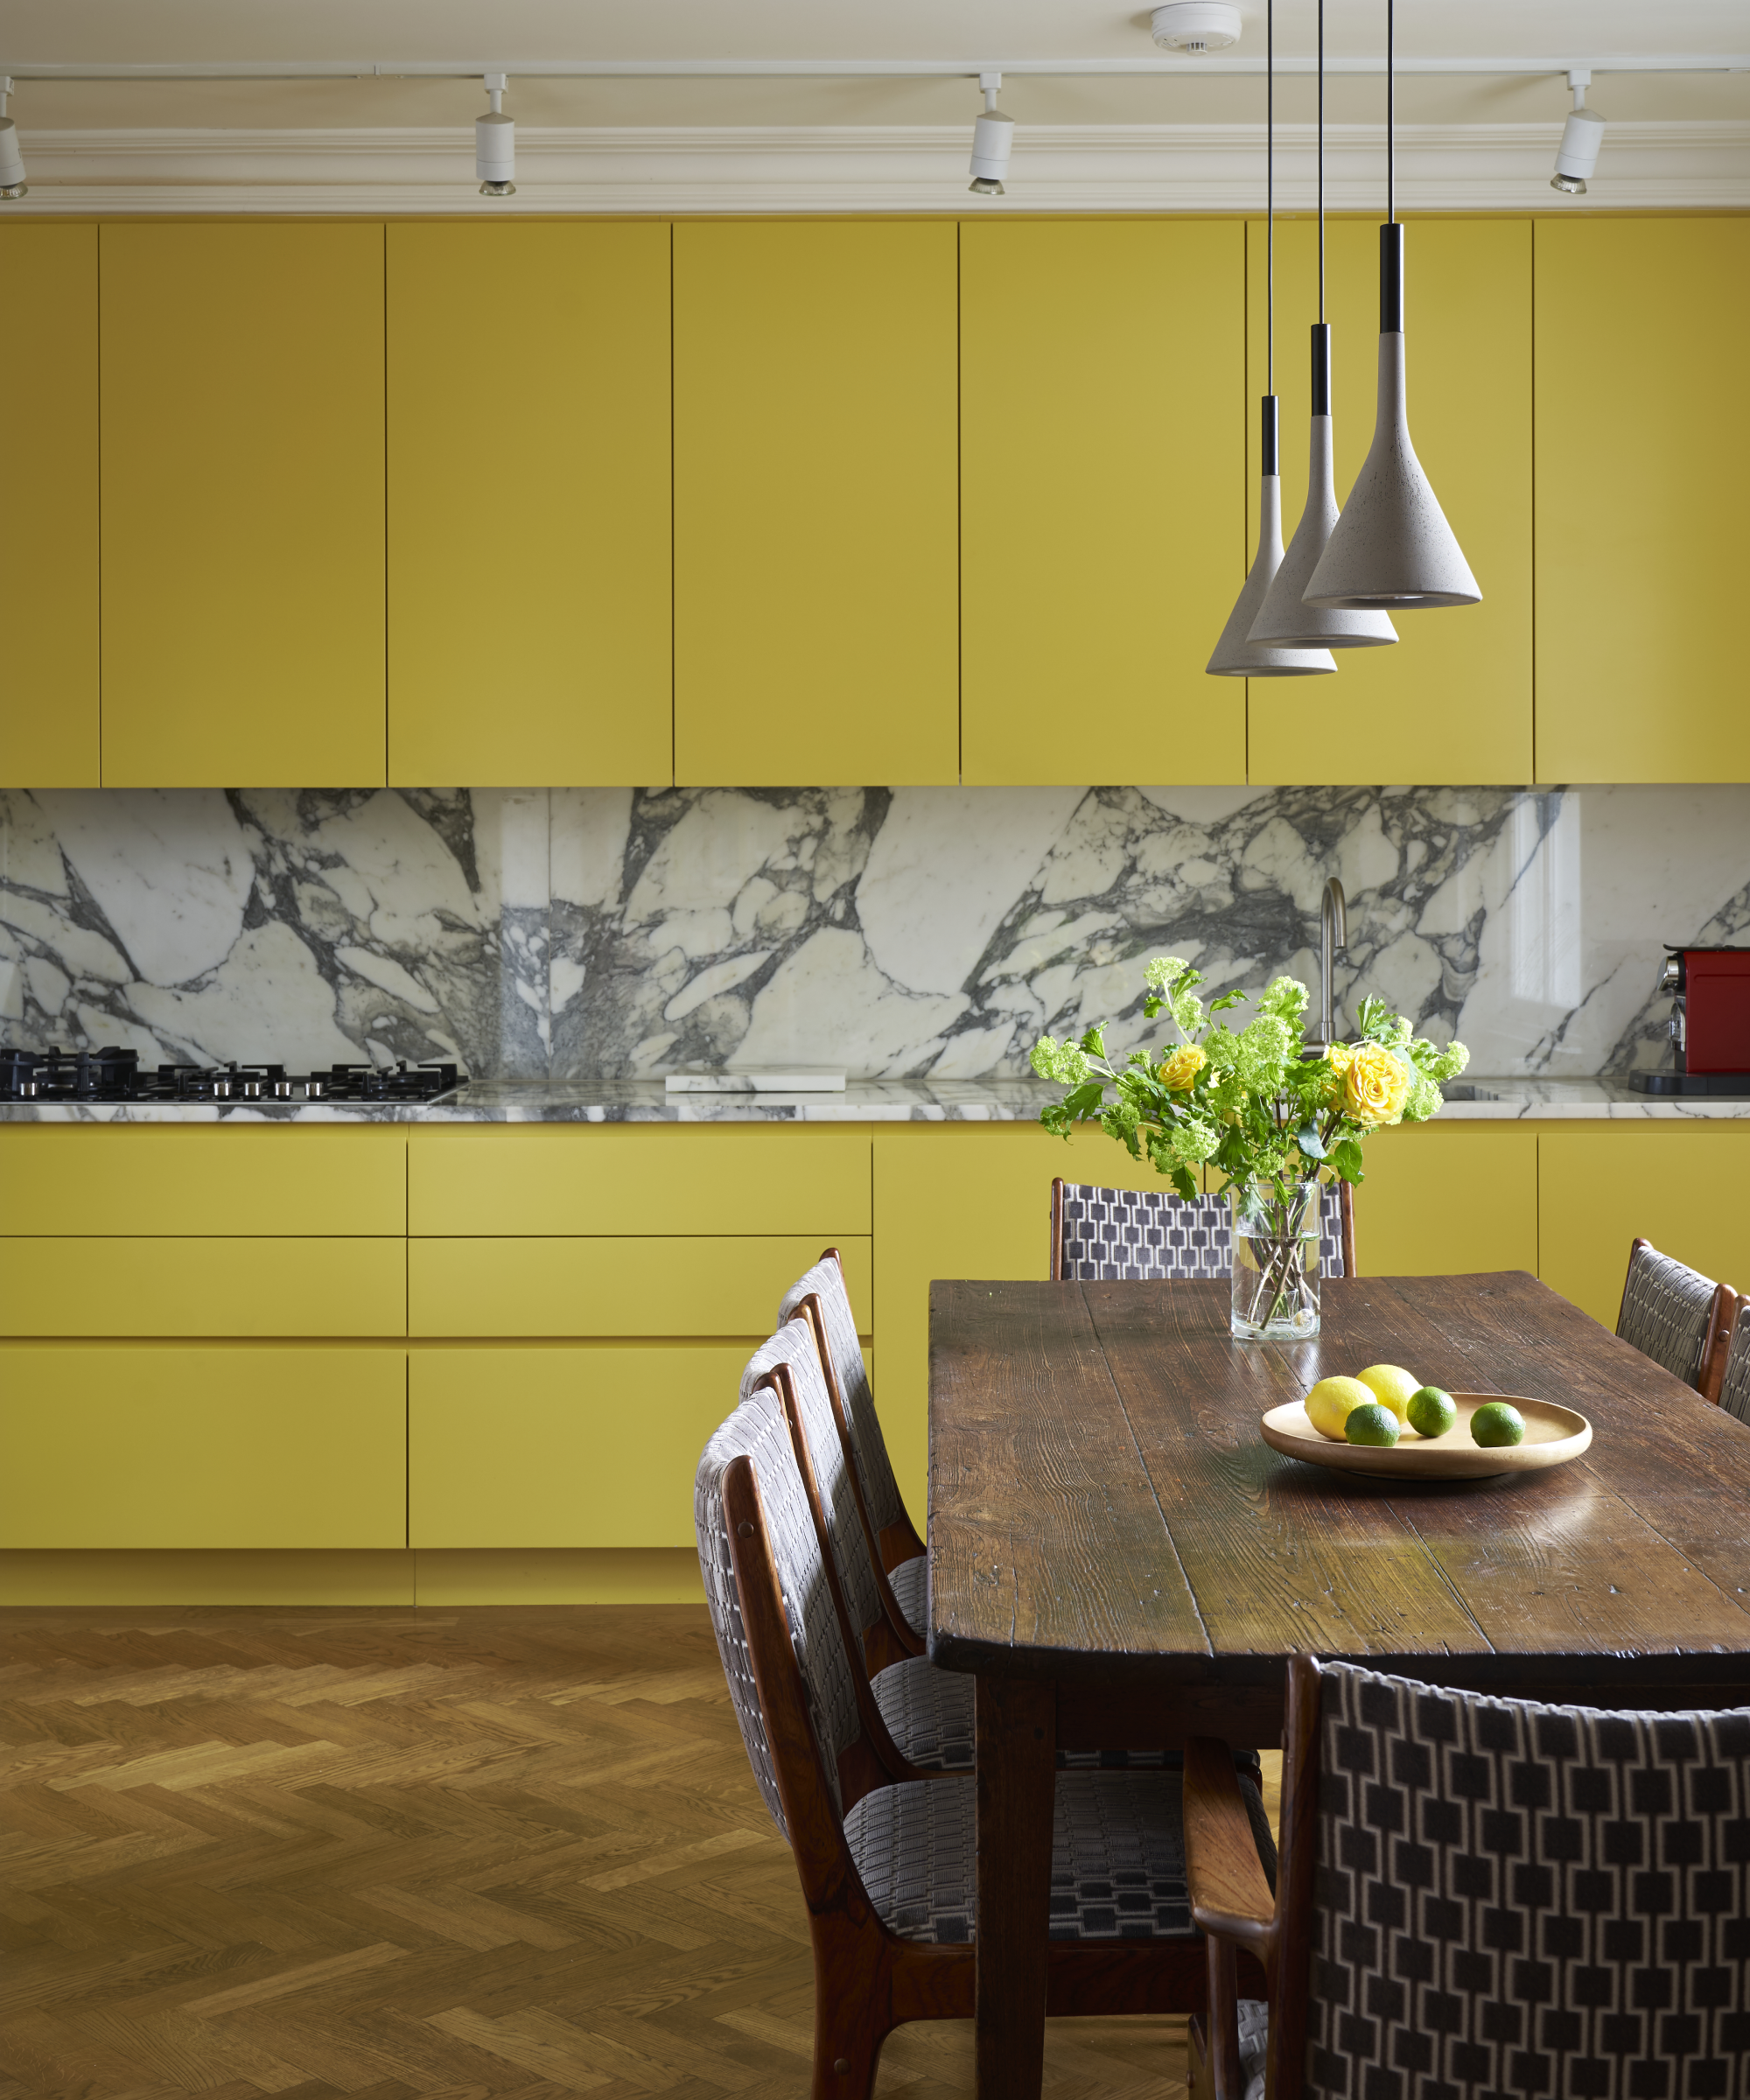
(1553, 1435)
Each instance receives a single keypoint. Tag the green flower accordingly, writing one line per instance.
(1194, 1141)
(1284, 999)
(1164, 971)
(1450, 1063)
(1062, 1062)
(1426, 1100)
(1263, 1049)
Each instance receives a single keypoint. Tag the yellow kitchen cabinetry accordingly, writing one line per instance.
(1102, 427)
(242, 504)
(161, 1180)
(1602, 1186)
(1640, 538)
(529, 556)
(657, 1287)
(817, 592)
(210, 1448)
(1452, 699)
(592, 1446)
(48, 568)
(202, 1286)
(635, 1179)
(1448, 1199)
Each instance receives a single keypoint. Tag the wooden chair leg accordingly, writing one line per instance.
(853, 2017)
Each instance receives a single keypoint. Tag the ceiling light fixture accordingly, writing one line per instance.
(1392, 548)
(1582, 135)
(1236, 655)
(495, 143)
(12, 183)
(1195, 26)
(992, 136)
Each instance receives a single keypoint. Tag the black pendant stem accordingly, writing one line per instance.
(1267, 443)
(1321, 369)
(1392, 280)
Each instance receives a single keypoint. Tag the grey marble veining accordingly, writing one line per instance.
(918, 936)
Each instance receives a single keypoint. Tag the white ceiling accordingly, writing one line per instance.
(96, 30)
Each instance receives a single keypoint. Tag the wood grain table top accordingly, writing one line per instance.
(1103, 1506)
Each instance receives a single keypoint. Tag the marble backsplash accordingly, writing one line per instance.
(605, 933)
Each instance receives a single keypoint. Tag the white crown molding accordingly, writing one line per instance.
(1057, 168)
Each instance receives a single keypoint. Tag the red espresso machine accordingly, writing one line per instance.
(1710, 1024)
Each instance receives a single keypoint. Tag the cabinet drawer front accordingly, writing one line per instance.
(633, 1179)
(560, 1447)
(161, 1181)
(577, 1287)
(203, 1286)
(203, 1447)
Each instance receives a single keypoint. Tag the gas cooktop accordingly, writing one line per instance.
(116, 1076)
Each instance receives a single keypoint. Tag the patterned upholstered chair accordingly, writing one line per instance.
(821, 1294)
(887, 1871)
(1480, 1895)
(1677, 1316)
(1109, 1235)
(1734, 1383)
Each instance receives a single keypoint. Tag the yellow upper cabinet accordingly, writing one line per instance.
(1102, 515)
(528, 504)
(48, 568)
(243, 480)
(1643, 450)
(1450, 700)
(815, 494)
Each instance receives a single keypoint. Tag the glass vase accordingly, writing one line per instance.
(1276, 1264)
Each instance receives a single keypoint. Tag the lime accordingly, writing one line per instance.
(1431, 1412)
(1391, 1384)
(1497, 1423)
(1371, 1423)
(1328, 1405)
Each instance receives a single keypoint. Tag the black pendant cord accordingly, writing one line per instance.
(1270, 198)
(1390, 112)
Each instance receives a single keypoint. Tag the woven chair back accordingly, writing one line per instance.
(1666, 1309)
(881, 1494)
(1136, 1234)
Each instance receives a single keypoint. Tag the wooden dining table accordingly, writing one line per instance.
(1119, 1559)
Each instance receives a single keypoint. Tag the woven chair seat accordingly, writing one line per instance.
(1666, 1310)
(910, 1584)
(1117, 1859)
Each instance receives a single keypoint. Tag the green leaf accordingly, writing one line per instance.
(1085, 1101)
(1345, 1159)
(1094, 1043)
(1227, 999)
(1310, 1142)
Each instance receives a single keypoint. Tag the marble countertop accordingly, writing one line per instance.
(1480, 1099)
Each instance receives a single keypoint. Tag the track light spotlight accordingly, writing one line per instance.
(495, 144)
(1582, 135)
(992, 136)
(12, 183)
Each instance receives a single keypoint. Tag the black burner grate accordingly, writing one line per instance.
(116, 1076)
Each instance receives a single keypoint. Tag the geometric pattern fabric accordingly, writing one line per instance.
(1734, 1392)
(1666, 1307)
(869, 1447)
(1146, 1235)
(910, 1585)
(1520, 1898)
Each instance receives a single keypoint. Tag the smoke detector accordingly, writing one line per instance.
(1194, 26)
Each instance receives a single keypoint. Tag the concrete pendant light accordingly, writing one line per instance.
(1392, 547)
(1284, 620)
(1236, 655)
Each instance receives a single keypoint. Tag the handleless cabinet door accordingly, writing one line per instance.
(1643, 452)
(816, 598)
(1103, 461)
(243, 480)
(529, 557)
(48, 564)
(1451, 699)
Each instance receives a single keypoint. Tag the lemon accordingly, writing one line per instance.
(1497, 1423)
(1328, 1405)
(1391, 1385)
(1371, 1423)
(1432, 1411)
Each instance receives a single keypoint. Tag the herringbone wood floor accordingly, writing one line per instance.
(399, 1853)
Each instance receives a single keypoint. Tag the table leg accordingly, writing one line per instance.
(1016, 1754)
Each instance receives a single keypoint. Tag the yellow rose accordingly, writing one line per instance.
(1337, 1056)
(1179, 1071)
(1376, 1085)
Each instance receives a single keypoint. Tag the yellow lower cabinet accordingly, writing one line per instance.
(203, 1447)
(1602, 1186)
(1448, 1199)
(590, 1446)
(654, 1287)
(200, 1287)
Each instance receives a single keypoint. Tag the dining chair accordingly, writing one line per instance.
(1151, 1234)
(1734, 1378)
(896, 1545)
(1477, 1895)
(1677, 1316)
(888, 1871)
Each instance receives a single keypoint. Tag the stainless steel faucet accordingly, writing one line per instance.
(1334, 933)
